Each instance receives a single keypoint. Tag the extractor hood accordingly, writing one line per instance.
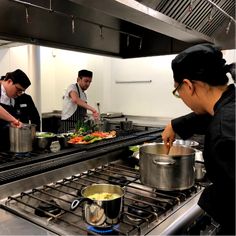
(119, 28)
(9, 44)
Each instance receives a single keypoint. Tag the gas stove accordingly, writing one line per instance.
(146, 210)
(39, 189)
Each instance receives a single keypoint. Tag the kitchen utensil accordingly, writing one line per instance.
(198, 155)
(98, 121)
(126, 125)
(200, 171)
(112, 115)
(63, 139)
(167, 172)
(21, 139)
(101, 212)
(43, 140)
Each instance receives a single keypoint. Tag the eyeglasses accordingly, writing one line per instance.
(175, 91)
(19, 90)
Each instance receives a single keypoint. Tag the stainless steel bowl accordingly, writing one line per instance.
(190, 143)
(43, 140)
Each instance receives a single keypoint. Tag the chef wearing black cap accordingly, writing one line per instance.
(200, 80)
(75, 104)
(11, 86)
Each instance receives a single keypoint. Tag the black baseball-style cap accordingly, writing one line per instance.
(85, 73)
(19, 77)
(203, 62)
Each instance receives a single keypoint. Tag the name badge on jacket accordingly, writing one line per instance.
(23, 105)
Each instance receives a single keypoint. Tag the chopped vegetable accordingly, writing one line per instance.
(134, 148)
(88, 137)
(45, 134)
(91, 138)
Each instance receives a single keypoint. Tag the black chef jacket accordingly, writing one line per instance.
(26, 110)
(218, 200)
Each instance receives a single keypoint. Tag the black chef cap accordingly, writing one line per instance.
(19, 77)
(202, 62)
(85, 73)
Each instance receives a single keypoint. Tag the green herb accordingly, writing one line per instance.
(88, 138)
(95, 139)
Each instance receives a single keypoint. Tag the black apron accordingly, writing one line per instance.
(78, 117)
(4, 128)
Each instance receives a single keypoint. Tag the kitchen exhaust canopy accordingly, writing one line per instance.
(119, 28)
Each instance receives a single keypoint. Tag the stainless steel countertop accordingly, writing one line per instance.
(143, 120)
(150, 121)
(11, 224)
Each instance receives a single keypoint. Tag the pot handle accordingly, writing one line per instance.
(79, 201)
(163, 163)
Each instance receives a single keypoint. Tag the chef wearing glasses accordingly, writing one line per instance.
(201, 80)
(11, 86)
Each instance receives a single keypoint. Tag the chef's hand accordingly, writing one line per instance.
(96, 115)
(16, 123)
(168, 136)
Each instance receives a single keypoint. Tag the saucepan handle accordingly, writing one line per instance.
(79, 201)
(163, 163)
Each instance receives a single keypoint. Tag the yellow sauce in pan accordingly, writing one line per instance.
(103, 196)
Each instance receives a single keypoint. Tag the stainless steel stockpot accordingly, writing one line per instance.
(101, 213)
(174, 171)
(21, 139)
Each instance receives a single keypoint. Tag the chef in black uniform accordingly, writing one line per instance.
(12, 86)
(200, 77)
(26, 110)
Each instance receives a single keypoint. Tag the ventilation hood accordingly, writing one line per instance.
(119, 28)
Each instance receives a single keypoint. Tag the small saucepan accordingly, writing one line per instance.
(103, 204)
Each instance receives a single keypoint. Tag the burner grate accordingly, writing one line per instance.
(143, 206)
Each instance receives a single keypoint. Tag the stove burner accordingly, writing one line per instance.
(118, 180)
(104, 231)
(140, 209)
(22, 154)
(52, 208)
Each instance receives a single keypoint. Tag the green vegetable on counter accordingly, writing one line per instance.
(95, 139)
(45, 134)
(134, 148)
(88, 138)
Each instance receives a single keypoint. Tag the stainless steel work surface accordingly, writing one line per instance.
(11, 224)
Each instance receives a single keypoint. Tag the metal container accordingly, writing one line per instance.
(63, 139)
(21, 139)
(174, 171)
(101, 213)
(200, 171)
(43, 140)
(190, 143)
(126, 125)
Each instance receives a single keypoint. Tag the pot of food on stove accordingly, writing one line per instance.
(102, 203)
(21, 139)
(168, 172)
